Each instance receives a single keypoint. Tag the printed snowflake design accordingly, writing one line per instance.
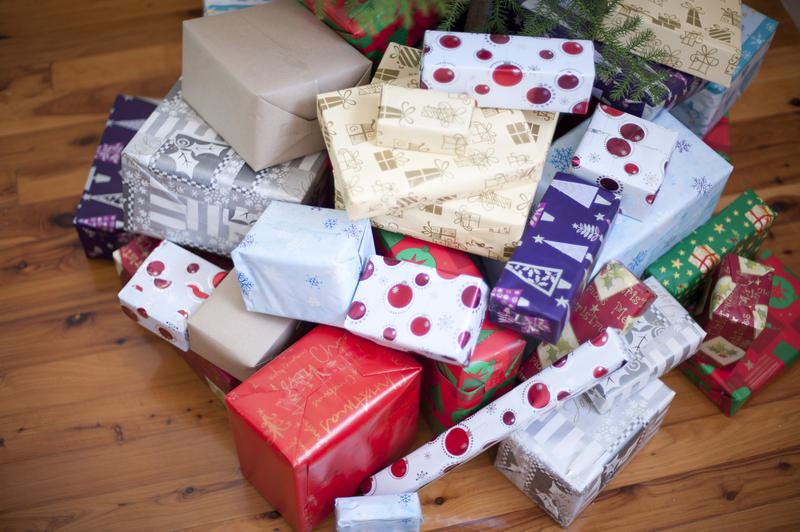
(561, 159)
(594, 157)
(682, 146)
(637, 261)
(330, 223)
(405, 498)
(245, 284)
(421, 475)
(109, 153)
(491, 408)
(445, 322)
(352, 231)
(247, 241)
(313, 281)
(701, 185)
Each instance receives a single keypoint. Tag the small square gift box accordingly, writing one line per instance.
(509, 71)
(412, 307)
(740, 228)
(166, 289)
(317, 420)
(615, 298)
(626, 155)
(99, 217)
(302, 262)
(381, 513)
(734, 311)
(562, 461)
(420, 120)
(528, 401)
(549, 269)
(665, 336)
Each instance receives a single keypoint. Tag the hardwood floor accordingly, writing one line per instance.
(103, 426)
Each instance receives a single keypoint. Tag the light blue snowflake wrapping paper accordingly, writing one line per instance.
(563, 460)
(302, 262)
(695, 177)
(703, 110)
(662, 338)
(379, 513)
(217, 7)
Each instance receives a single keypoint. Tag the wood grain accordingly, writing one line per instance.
(103, 426)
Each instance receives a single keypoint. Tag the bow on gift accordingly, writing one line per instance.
(342, 98)
(444, 113)
(703, 56)
(402, 114)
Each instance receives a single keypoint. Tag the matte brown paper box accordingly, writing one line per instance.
(226, 334)
(254, 76)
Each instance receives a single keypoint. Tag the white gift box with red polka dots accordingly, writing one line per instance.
(626, 155)
(533, 399)
(509, 71)
(169, 285)
(412, 307)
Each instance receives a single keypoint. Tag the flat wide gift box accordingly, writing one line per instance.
(380, 513)
(702, 37)
(316, 421)
(564, 460)
(302, 262)
(497, 420)
(770, 355)
(488, 223)
(707, 106)
(510, 71)
(99, 217)
(691, 189)
(184, 183)
(169, 286)
(739, 228)
(665, 336)
(225, 333)
(254, 76)
(548, 271)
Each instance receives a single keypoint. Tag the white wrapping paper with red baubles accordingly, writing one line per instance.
(571, 376)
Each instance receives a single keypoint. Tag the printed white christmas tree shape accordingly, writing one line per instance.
(542, 278)
(574, 251)
(583, 193)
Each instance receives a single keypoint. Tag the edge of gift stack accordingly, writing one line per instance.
(527, 290)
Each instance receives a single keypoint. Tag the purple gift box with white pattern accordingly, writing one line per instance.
(99, 219)
(548, 271)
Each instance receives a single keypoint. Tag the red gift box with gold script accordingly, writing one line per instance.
(320, 418)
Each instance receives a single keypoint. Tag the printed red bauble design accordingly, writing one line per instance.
(422, 279)
(389, 334)
(400, 295)
(218, 278)
(600, 340)
(162, 283)
(546, 54)
(368, 271)
(631, 169)
(499, 39)
(183, 313)
(450, 41)
(599, 371)
(610, 111)
(142, 312)
(482, 88)
(609, 184)
(509, 418)
(572, 48)
(632, 132)
(155, 268)
(507, 75)
(539, 95)
(444, 75)
(562, 395)
(568, 81)
(560, 362)
(538, 395)
(366, 485)
(357, 310)
(483, 54)
(580, 108)
(193, 267)
(165, 333)
(463, 339)
(197, 292)
(576, 161)
(390, 261)
(420, 326)
(471, 296)
(651, 198)
(619, 147)
(399, 468)
(456, 442)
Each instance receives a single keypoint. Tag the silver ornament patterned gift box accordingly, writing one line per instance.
(563, 460)
(380, 513)
(182, 181)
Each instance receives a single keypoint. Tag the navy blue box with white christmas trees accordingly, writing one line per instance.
(550, 268)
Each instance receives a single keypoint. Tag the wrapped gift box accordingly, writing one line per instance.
(316, 421)
(166, 289)
(702, 37)
(563, 460)
(549, 269)
(411, 307)
(734, 310)
(98, 218)
(218, 380)
(615, 298)
(528, 401)
(719, 138)
(626, 155)
(770, 355)
(130, 257)
(372, 180)
(706, 107)
(420, 120)
(692, 186)
(487, 223)
(418, 251)
(510, 72)
(240, 342)
(662, 338)
(371, 29)
(216, 7)
(739, 228)
(381, 513)
(265, 109)
(307, 269)
(184, 183)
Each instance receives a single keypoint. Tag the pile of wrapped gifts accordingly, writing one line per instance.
(334, 255)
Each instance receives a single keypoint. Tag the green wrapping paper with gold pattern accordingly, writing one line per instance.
(740, 228)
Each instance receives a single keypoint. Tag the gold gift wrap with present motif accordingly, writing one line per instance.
(701, 37)
(423, 120)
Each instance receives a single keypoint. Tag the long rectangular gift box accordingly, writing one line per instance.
(184, 183)
(99, 217)
(562, 461)
(381, 513)
(739, 228)
(692, 186)
(707, 106)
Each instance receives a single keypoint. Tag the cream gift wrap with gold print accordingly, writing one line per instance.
(420, 120)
